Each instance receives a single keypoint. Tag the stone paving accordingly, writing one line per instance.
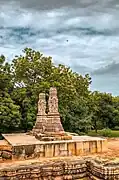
(24, 139)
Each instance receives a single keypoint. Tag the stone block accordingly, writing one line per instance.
(72, 149)
(92, 146)
(86, 148)
(79, 148)
(6, 155)
(56, 150)
(58, 178)
(99, 146)
(39, 151)
(63, 149)
(49, 150)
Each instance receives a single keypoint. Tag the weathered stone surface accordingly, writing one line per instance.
(48, 122)
(49, 134)
(41, 119)
(61, 170)
(6, 155)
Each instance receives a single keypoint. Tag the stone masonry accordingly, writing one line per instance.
(41, 119)
(63, 169)
(48, 124)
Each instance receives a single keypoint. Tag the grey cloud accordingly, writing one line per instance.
(106, 83)
(112, 68)
(53, 4)
(90, 26)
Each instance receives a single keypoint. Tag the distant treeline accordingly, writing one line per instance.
(31, 73)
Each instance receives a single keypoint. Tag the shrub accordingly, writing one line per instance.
(116, 128)
(105, 132)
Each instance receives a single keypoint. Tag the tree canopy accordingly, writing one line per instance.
(31, 73)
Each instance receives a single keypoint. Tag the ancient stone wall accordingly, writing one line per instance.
(61, 170)
(57, 149)
(5, 150)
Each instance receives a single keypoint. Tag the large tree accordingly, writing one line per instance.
(32, 73)
(35, 73)
(9, 112)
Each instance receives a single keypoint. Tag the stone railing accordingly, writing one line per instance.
(62, 169)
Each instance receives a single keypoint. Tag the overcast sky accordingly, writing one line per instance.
(90, 26)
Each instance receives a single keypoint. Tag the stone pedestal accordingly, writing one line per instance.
(40, 125)
(48, 125)
(54, 123)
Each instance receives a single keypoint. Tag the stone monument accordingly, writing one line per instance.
(41, 119)
(48, 125)
(53, 117)
(48, 138)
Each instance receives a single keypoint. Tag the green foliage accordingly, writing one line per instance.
(104, 132)
(76, 117)
(32, 73)
(116, 128)
(9, 114)
(105, 110)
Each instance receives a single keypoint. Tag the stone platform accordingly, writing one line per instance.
(65, 168)
(48, 138)
(25, 146)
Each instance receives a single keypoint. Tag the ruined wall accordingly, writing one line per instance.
(61, 170)
(5, 150)
(58, 149)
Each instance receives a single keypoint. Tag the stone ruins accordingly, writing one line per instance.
(50, 122)
(53, 153)
(49, 140)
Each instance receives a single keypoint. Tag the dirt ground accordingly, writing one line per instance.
(113, 149)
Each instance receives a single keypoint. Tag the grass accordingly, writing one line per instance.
(105, 133)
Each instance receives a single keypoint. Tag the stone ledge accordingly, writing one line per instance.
(59, 169)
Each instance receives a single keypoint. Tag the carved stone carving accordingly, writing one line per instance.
(41, 119)
(53, 101)
(48, 122)
(41, 104)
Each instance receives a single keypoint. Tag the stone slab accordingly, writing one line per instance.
(24, 139)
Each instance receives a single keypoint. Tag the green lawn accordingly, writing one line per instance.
(105, 133)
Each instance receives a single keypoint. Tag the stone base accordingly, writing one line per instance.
(52, 136)
(60, 169)
(26, 146)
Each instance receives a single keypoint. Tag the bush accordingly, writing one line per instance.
(105, 132)
(116, 128)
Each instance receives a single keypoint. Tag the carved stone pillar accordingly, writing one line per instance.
(53, 117)
(41, 119)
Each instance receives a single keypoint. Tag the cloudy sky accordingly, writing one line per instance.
(83, 34)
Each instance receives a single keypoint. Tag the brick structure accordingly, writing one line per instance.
(48, 123)
(63, 169)
(48, 139)
(53, 117)
(41, 119)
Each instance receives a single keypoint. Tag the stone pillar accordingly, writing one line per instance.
(41, 120)
(53, 117)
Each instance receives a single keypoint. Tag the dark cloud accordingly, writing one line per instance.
(83, 34)
(112, 68)
(53, 4)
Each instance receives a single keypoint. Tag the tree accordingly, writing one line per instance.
(32, 73)
(104, 109)
(35, 73)
(9, 112)
(77, 117)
